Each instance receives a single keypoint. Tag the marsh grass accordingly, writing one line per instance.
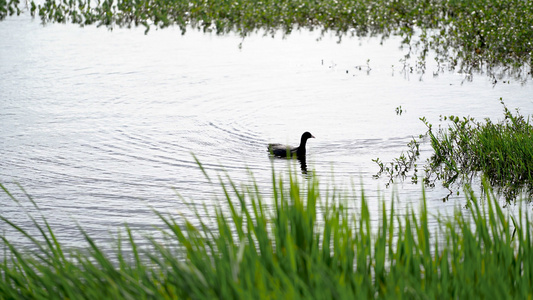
(297, 244)
(501, 152)
(476, 35)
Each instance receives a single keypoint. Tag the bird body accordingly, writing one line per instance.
(281, 150)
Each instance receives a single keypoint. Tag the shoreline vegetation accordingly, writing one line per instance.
(500, 152)
(296, 243)
(493, 37)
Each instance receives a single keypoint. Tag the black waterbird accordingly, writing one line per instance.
(281, 150)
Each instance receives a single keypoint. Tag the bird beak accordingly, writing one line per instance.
(312, 136)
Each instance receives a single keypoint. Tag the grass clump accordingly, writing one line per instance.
(495, 36)
(501, 152)
(298, 244)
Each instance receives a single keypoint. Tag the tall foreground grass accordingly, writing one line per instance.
(293, 243)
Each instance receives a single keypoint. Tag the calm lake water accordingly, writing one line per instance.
(99, 126)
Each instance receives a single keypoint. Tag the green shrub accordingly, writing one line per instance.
(501, 152)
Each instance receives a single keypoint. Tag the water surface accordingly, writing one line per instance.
(99, 126)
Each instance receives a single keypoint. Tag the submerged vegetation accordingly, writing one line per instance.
(298, 244)
(501, 152)
(495, 36)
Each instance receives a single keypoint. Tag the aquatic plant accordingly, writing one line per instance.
(298, 244)
(495, 36)
(501, 152)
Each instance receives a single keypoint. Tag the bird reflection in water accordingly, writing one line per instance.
(303, 164)
(302, 160)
